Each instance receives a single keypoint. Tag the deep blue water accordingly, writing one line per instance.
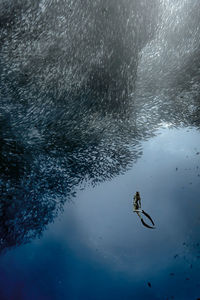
(98, 249)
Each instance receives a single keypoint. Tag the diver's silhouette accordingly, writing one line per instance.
(139, 211)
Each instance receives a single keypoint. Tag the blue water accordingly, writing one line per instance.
(98, 101)
(97, 247)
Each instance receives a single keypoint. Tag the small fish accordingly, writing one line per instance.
(171, 274)
(149, 284)
(176, 255)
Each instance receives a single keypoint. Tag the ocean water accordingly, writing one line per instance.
(98, 101)
(97, 248)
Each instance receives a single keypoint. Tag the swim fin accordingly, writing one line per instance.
(148, 216)
(146, 225)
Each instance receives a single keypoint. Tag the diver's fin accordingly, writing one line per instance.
(146, 225)
(148, 216)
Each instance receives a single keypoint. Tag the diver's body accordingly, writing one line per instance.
(137, 201)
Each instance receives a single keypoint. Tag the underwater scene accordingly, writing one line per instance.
(99, 149)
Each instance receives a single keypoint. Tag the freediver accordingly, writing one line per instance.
(139, 211)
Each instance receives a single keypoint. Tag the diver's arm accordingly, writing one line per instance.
(140, 202)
